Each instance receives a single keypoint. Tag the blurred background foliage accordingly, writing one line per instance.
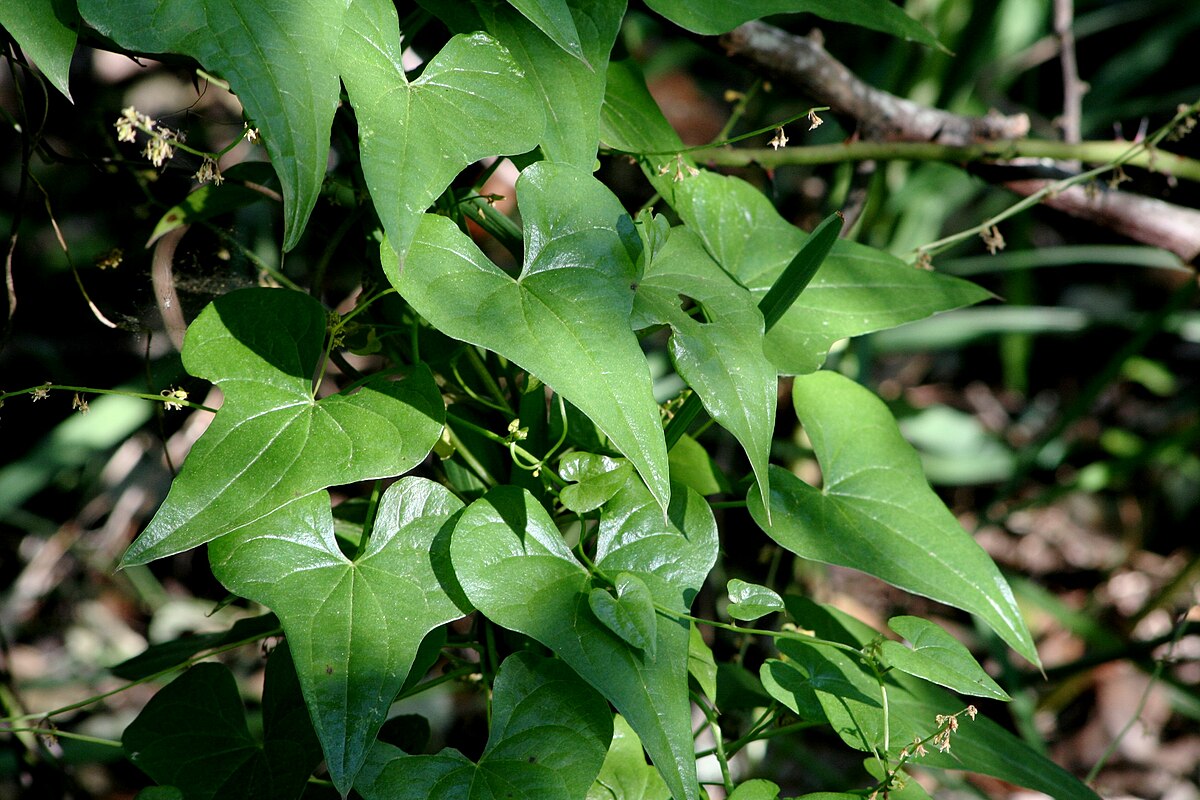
(1060, 424)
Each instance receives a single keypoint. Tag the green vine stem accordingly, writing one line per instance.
(169, 398)
(1092, 152)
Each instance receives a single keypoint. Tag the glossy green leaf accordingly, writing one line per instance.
(553, 18)
(701, 664)
(515, 568)
(549, 735)
(757, 789)
(272, 444)
(354, 625)
(568, 80)
(719, 354)
(596, 479)
(278, 57)
(209, 200)
(566, 318)
(415, 137)
(193, 735)
(718, 16)
(938, 657)
(857, 289)
(876, 512)
(630, 614)
(749, 601)
(625, 774)
(46, 31)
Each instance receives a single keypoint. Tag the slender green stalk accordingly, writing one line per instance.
(1100, 153)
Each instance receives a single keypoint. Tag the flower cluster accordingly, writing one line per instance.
(161, 142)
(681, 169)
(175, 398)
(993, 240)
(947, 726)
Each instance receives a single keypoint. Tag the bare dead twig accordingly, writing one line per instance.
(1143, 219)
(881, 116)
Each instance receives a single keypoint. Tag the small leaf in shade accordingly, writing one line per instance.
(355, 626)
(692, 466)
(749, 601)
(550, 732)
(625, 774)
(193, 735)
(517, 570)
(173, 653)
(701, 664)
(597, 478)
(938, 657)
(272, 443)
(565, 319)
(630, 614)
(876, 512)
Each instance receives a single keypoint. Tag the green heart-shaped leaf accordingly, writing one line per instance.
(721, 358)
(415, 137)
(193, 735)
(749, 601)
(597, 478)
(516, 569)
(550, 731)
(566, 318)
(876, 512)
(630, 614)
(272, 443)
(354, 625)
(278, 56)
(938, 657)
(569, 80)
